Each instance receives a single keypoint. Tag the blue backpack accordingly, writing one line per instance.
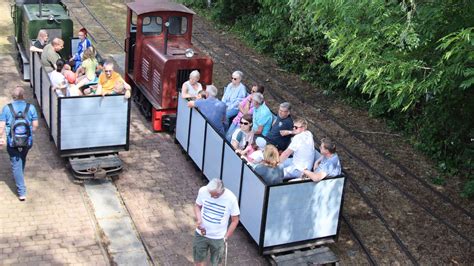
(20, 130)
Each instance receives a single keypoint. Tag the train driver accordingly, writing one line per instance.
(192, 87)
(110, 82)
(327, 164)
(40, 42)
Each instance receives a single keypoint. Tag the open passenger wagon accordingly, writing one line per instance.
(88, 130)
(282, 217)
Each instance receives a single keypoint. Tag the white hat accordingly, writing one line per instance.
(261, 143)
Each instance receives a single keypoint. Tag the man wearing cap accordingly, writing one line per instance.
(214, 206)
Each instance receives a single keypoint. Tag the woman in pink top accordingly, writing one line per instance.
(245, 107)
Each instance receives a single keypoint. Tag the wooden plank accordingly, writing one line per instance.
(321, 255)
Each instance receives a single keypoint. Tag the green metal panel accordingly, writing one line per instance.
(54, 19)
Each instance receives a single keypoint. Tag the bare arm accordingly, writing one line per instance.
(197, 214)
(284, 155)
(191, 104)
(315, 176)
(318, 161)
(35, 125)
(233, 224)
(259, 130)
(35, 49)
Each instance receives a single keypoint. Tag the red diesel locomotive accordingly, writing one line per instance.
(159, 56)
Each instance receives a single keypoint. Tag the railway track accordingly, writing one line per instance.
(453, 225)
(224, 53)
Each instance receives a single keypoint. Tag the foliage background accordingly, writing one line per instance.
(409, 61)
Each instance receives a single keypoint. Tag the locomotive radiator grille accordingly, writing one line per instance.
(145, 69)
(156, 85)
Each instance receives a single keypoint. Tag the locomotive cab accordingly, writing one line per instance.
(160, 56)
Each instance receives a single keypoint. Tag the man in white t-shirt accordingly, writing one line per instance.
(302, 148)
(214, 206)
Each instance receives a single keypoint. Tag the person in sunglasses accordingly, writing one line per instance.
(302, 148)
(110, 82)
(243, 136)
(234, 93)
(245, 107)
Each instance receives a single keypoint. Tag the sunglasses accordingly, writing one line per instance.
(108, 71)
(296, 127)
(244, 123)
(235, 78)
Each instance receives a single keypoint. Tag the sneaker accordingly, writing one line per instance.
(22, 198)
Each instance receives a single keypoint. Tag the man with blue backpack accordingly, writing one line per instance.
(18, 119)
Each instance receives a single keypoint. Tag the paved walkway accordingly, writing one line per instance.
(54, 224)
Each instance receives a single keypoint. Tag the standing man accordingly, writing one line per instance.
(110, 82)
(282, 122)
(51, 54)
(214, 206)
(212, 109)
(9, 124)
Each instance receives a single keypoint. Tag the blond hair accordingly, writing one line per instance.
(271, 156)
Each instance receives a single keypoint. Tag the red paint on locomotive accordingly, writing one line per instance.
(157, 75)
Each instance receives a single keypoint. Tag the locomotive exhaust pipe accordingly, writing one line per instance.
(40, 9)
(167, 25)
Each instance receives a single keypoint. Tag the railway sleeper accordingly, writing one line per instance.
(313, 256)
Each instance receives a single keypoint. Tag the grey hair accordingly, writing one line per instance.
(215, 185)
(286, 106)
(109, 63)
(211, 90)
(258, 97)
(41, 32)
(194, 74)
(18, 93)
(239, 73)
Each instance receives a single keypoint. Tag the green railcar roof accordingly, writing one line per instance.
(32, 12)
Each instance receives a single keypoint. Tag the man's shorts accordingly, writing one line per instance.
(202, 244)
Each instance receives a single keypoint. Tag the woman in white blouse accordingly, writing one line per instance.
(192, 87)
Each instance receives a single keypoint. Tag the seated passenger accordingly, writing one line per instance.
(110, 82)
(192, 87)
(87, 69)
(302, 148)
(234, 93)
(269, 170)
(40, 42)
(50, 55)
(58, 81)
(243, 136)
(254, 152)
(202, 95)
(82, 46)
(328, 164)
(245, 107)
(212, 109)
(281, 123)
(262, 116)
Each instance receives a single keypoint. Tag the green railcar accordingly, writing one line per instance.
(30, 16)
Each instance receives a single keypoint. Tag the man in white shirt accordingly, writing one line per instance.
(214, 205)
(302, 148)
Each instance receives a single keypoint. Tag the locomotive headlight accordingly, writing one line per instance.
(189, 52)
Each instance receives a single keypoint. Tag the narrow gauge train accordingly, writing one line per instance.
(30, 16)
(160, 57)
(88, 130)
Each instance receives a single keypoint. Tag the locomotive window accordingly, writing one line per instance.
(178, 25)
(152, 25)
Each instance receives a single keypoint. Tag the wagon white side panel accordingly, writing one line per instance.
(37, 77)
(252, 203)
(88, 122)
(196, 138)
(304, 211)
(232, 170)
(213, 154)
(46, 87)
(182, 122)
